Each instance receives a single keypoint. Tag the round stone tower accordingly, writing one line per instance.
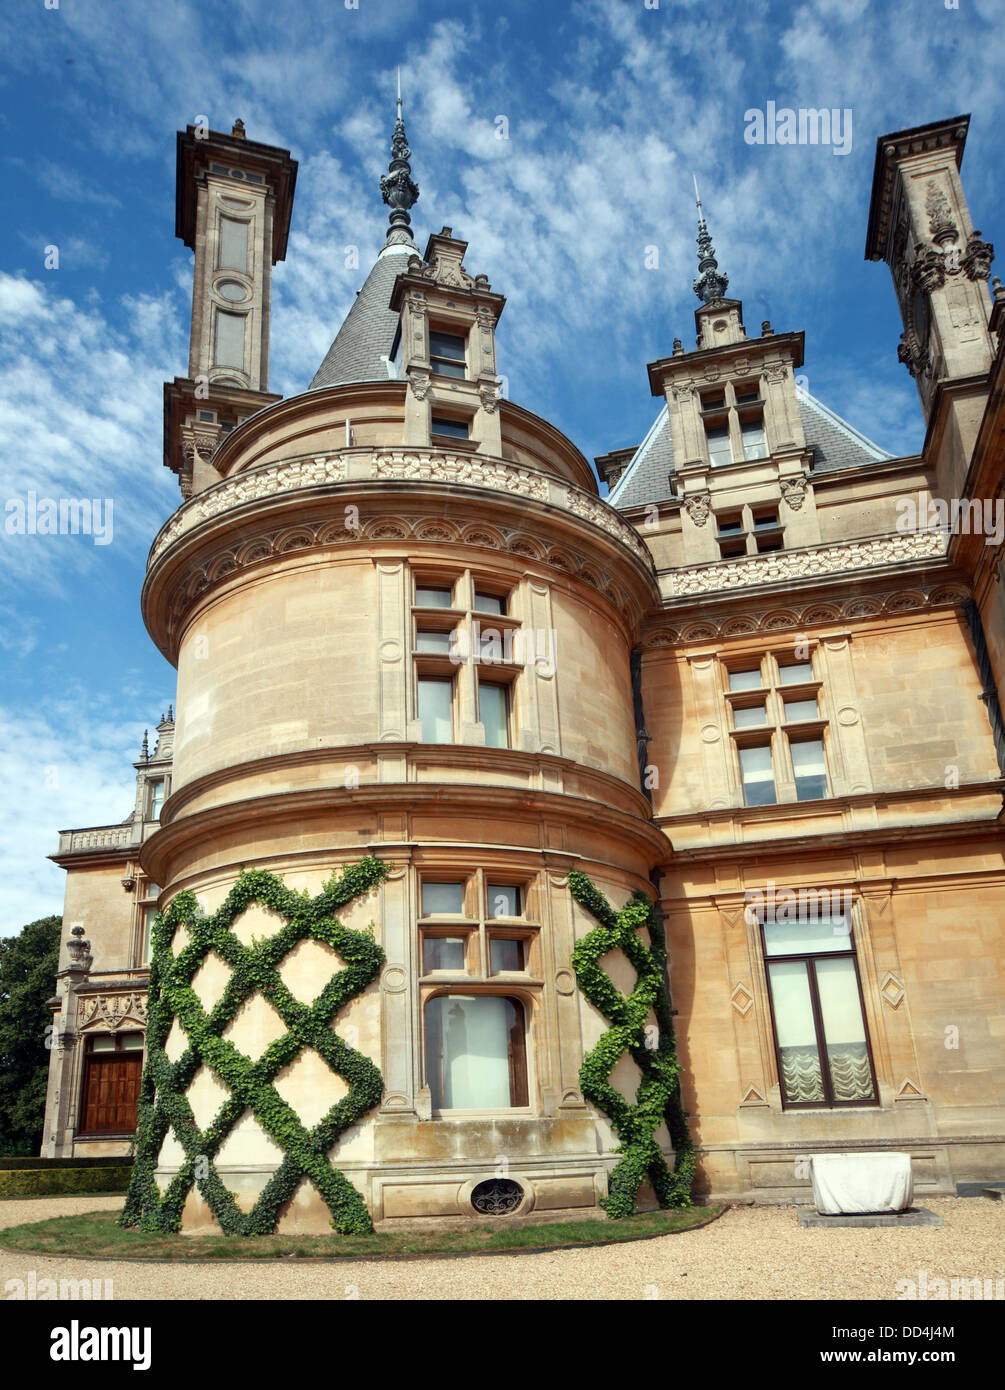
(403, 621)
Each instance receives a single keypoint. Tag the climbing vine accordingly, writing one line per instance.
(163, 1103)
(657, 1096)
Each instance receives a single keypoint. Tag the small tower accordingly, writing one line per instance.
(919, 223)
(741, 462)
(233, 204)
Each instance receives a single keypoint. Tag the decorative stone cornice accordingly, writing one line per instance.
(398, 465)
(257, 483)
(802, 617)
(786, 567)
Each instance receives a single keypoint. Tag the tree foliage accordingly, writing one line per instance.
(28, 964)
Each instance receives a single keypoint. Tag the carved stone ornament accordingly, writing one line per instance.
(978, 258)
(79, 949)
(112, 1010)
(683, 391)
(485, 316)
(912, 354)
(418, 384)
(940, 217)
(698, 507)
(928, 272)
(793, 491)
(775, 374)
(416, 302)
(489, 397)
(776, 567)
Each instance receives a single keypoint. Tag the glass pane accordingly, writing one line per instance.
(488, 603)
(810, 769)
(474, 1052)
(796, 923)
(754, 445)
(156, 798)
(444, 368)
(492, 708)
(758, 776)
(795, 672)
(148, 922)
(440, 898)
(745, 680)
(800, 1061)
(446, 345)
(505, 954)
(457, 429)
(443, 953)
(719, 451)
(433, 598)
(104, 1043)
(435, 704)
(730, 526)
(844, 1030)
(233, 244)
(433, 642)
(753, 714)
(765, 519)
(229, 340)
(801, 709)
(131, 1042)
(504, 900)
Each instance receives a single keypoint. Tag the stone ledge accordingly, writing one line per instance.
(916, 1216)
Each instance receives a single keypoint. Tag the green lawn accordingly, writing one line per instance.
(95, 1235)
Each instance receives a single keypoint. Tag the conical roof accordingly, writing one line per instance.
(363, 344)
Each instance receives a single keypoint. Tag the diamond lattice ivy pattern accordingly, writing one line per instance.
(657, 1097)
(164, 1105)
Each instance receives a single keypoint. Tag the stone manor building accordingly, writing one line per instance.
(406, 624)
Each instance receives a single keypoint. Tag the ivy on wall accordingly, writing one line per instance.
(657, 1096)
(163, 1103)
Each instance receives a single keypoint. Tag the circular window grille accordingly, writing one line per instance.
(497, 1197)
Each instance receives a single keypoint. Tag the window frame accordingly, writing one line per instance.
(809, 957)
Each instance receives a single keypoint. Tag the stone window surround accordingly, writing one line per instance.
(762, 1016)
(775, 731)
(845, 747)
(525, 986)
(731, 414)
(464, 675)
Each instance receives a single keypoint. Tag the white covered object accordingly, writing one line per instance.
(850, 1183)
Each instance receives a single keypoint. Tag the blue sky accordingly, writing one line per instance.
(610, 107)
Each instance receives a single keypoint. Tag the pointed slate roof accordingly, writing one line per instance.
(362, 347)
(835, 443)
(363, 344)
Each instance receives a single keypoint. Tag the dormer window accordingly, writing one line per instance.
(447, 354)
(734, 424)
(156, 794)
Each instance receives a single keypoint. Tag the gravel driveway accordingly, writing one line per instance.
(750, 1253)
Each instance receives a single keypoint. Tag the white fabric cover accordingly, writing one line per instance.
(850, 1183)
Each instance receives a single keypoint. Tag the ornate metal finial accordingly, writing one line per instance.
(145, 749)
(397, 186)
(711, 285)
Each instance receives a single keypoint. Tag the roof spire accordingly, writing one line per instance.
(711, 284)
(397, 187)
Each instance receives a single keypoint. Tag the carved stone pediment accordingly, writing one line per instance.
(113, 1009)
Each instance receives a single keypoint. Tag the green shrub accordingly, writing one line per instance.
(53, 1182)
